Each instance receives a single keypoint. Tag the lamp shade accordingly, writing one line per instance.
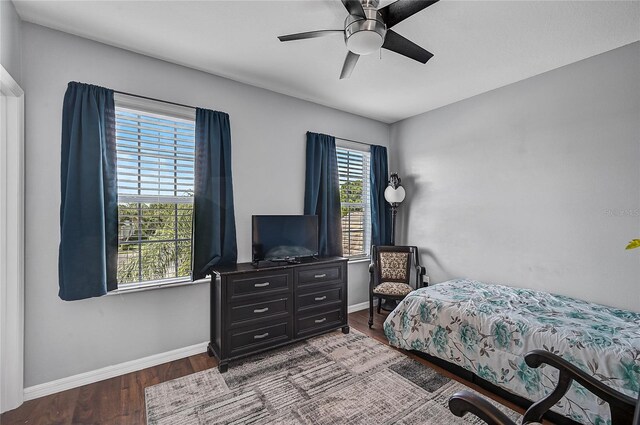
(394, 196)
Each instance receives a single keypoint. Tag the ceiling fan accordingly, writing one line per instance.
(368, 29)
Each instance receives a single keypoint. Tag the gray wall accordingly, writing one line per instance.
(10, 40)
(268, 132)
(535, 184)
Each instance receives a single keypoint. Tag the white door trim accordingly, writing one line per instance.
(11, 243)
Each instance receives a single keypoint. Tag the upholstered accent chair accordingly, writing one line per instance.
(390, 274)
(624, 409)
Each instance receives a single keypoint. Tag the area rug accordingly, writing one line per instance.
(331, 379)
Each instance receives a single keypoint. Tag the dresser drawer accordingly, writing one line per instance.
(319, 298)
(319, 321)
(256, 284)
(253, 338)
(320, 275)
(260, 310)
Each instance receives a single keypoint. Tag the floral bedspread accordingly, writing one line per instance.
(488, 329)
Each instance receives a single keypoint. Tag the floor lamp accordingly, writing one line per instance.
(394, 194)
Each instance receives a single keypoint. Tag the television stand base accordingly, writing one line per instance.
(272, 263)
(276, 262)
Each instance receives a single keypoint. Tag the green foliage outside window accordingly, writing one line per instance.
(351, 192)
(154, 241)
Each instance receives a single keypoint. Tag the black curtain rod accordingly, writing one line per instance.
(154, 99)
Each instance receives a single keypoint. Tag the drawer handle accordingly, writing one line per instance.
(264, 335)
(318, 276)
(324, 319)
(261, 285)
(261, 310)
(322, 298)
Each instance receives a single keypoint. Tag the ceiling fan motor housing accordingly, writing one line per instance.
(365, 36)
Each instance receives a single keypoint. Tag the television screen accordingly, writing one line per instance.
(284, 237)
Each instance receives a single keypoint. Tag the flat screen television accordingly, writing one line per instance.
(284, 237)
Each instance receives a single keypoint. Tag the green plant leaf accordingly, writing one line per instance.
(634, 243)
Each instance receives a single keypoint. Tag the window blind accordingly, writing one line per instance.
(155, 155)
(353, 172)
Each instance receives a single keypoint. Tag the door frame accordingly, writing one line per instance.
(11, 242)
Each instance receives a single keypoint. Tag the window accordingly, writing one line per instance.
(155, 145)
(353, 171)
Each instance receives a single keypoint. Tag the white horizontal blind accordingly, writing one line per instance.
(353, 172)
(156, 159)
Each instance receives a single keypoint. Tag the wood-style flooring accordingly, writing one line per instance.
(120, 400)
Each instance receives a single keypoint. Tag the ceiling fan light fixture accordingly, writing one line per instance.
(365, 42)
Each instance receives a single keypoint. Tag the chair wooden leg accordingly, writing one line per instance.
(379, 304)
(370, 311)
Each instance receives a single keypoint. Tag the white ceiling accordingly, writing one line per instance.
(478, 45)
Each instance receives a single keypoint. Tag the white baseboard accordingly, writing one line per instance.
(101, 374)
(357, 307)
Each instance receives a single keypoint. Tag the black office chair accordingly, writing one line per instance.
(390, 275)
(622, 406)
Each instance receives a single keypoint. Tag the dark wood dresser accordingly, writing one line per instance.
(258, 308)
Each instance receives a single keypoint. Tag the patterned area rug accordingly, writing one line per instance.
(331, 379)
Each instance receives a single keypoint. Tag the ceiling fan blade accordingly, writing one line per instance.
(349, 63)
(310, 34)
(354, 7)
(397, 43)
(400, 10)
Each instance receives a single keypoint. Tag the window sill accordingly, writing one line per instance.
(158, 284)
(359, 260)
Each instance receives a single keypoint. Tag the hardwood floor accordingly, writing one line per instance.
(120, 400)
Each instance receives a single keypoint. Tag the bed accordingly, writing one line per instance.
(487, 329)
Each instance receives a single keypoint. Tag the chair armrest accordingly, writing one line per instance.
(464, 402)
(420, 273)
(621, 405)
